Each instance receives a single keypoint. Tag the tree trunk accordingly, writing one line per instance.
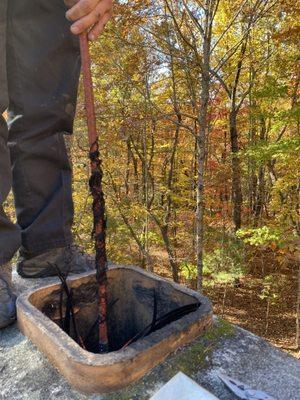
(171, 255)
(201, 146)
(237, 197)
(259, 203)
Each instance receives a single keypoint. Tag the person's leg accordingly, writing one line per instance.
(9, 233)
(43, 71)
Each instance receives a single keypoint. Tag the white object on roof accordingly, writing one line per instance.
(181, 387)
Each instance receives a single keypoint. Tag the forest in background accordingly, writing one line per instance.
(199, 121)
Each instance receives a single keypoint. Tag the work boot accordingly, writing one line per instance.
(66, 260)
(7, 298)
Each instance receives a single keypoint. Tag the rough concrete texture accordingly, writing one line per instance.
(26, 375)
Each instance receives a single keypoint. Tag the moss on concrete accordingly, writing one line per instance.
(192, 357)
(187, 359)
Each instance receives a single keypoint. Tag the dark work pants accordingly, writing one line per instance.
(39, 71)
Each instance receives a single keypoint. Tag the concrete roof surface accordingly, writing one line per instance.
(26, 374)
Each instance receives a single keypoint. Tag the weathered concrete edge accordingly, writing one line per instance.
(160, 343)
(24, 304)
